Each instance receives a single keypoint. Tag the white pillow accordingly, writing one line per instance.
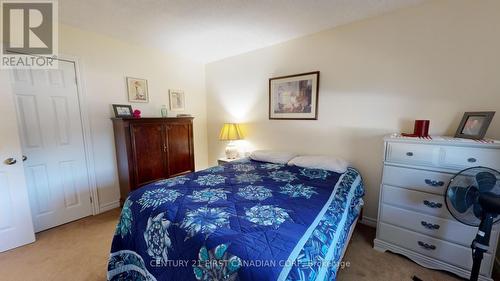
(278, 157)
(329, 163)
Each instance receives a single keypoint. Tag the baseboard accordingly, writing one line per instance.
(109, 206)
(368, 221)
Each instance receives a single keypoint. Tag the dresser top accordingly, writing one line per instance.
(443, 140)
(152, 118)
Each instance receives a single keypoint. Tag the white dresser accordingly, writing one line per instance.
(413, 219)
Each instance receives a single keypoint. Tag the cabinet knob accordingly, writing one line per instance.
(433, 205)
(433, 182)
(430, 225)
(426, 246)
(409, 154)
(10, 161)
(472, 160)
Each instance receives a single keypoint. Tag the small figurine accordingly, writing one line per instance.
(137, 113)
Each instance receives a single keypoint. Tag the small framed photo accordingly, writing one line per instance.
(122, 110)
(474, 125)
(294, 97)
(177, 100)
(137, 89)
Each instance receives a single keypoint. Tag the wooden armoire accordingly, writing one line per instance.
(150, 149)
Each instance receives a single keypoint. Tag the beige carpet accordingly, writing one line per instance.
(71, 252)
(79, 251)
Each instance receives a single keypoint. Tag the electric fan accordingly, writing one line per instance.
(473, 198)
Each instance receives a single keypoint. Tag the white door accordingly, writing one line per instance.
(16, 227)
(50, 126)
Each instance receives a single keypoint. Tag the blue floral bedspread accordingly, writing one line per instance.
(246, 220)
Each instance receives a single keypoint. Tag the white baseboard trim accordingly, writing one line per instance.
(369, 221)
(109, 206)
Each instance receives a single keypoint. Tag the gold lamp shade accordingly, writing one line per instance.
(230, 131)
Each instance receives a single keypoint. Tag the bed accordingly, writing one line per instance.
(245, 220)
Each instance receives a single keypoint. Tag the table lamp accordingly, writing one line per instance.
(231, 132)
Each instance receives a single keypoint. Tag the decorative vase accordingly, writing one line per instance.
(164, 112)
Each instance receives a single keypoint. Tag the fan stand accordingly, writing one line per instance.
(482, 200)
(481, 244)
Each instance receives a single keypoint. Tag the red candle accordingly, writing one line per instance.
(421, 128)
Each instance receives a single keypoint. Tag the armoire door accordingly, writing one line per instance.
(148, 149)
(179, 149)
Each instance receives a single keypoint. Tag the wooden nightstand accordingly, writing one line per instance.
(222, 161)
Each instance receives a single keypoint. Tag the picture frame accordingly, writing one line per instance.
(474, 125)
(294, 97)
(122, 110)
(177, 100)
(137, 90)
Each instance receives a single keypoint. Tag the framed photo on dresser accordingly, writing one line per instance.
(122, 110)
(294, 97)
(474, 125)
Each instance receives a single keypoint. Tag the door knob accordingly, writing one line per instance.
(10, 161)
(25, 158)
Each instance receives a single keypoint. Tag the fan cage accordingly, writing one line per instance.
(468, 217)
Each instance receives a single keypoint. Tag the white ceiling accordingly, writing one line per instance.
(209, 30)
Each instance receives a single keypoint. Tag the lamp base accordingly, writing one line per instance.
(231, 151)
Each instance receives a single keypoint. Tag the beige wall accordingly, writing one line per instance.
(105, 63)
(433, 61)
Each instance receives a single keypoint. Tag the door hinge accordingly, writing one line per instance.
(90, 199)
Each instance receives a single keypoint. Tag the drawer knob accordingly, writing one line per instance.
(472, 160)
(410, 154)
(10, 161)
(433, 204)
(426, 246)
(430, 225)
(434, 183)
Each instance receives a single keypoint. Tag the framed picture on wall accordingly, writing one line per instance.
(294, 97)
(177, 100)
(474, 125)
(137, 89)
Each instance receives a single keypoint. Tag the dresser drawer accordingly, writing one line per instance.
(427, 181)
(422, 202)
(444, 229)
(464, 157)
(435, 248)
(413, 154)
